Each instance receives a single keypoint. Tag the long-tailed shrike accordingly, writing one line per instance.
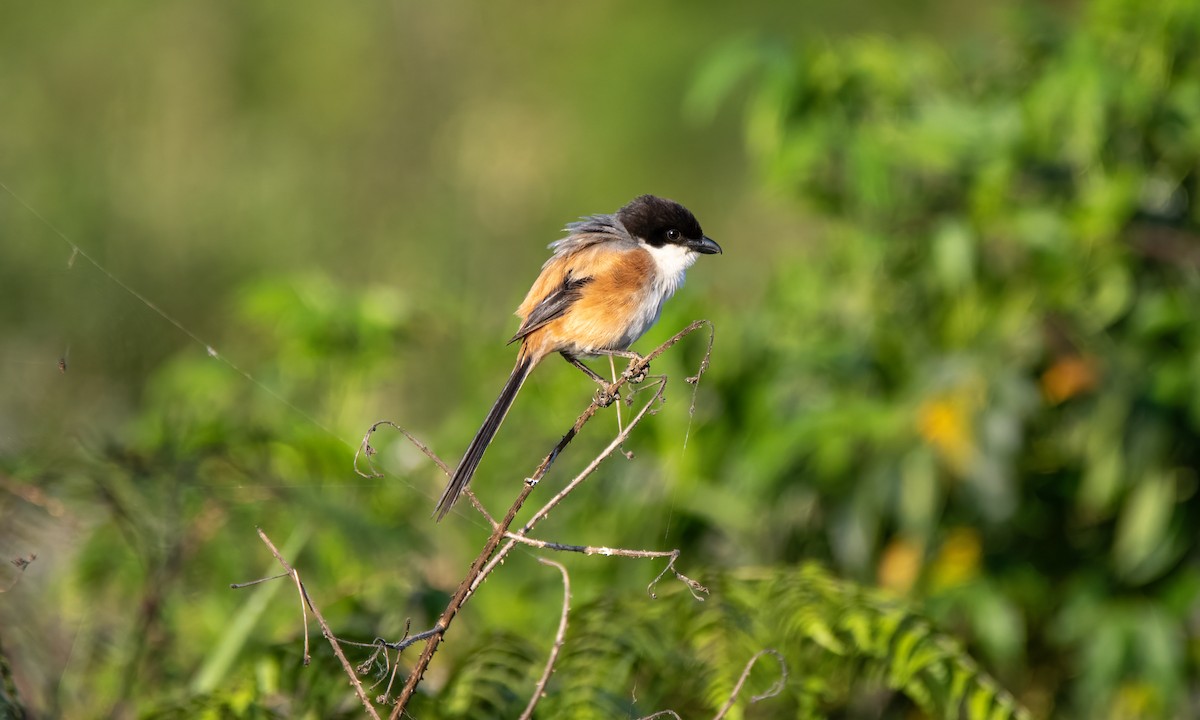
(603, 287)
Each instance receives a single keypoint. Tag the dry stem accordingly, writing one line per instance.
(481, 566)
(337, 649)
(559, 637)
(770, 692)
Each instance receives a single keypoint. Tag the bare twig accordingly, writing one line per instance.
(365, 666)
(390, 669)
(366, 450)
(591, 467)
(479, 506)
(559, 637)
(387, 692)
(303, 614)
(488, 556)
(460, 596)
(696, 588)
(412, 639)
(589, 549)
(770, 692)
(694, 380)
(503, 552)
(239, 586)
(691, 328)
(621, 437)
(480, 566)
(662, 713)
(671, 555)
(337, 649)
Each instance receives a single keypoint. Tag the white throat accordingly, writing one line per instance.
(672, 262)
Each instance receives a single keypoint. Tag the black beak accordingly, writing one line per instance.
(705, 245)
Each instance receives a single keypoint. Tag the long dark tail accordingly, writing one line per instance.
(483, 438)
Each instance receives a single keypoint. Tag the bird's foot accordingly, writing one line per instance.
(636, 377)
(605, 396)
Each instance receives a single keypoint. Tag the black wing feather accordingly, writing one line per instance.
(553, 306)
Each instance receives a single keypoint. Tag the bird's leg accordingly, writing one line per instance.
(605, 396)
(596, 377)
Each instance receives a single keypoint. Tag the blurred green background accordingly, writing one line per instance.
(954, 388)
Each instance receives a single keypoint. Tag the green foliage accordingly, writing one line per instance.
(192, 456)
(631, 656)
(494, 680)
(960, 361)
(174, 507)
(978, 382)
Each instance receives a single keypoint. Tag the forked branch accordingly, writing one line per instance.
(492, 553)
(306, 601)
(489, 556)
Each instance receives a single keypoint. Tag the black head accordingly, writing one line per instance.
(660, 222)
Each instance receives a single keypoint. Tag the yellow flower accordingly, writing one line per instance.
(945, 423)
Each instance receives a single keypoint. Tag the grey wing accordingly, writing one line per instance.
(553, 306)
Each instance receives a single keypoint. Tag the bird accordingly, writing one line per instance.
(602, 288)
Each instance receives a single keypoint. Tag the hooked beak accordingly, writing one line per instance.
(705, 245)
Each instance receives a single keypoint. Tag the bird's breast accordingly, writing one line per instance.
(625, 301)
(622, 299)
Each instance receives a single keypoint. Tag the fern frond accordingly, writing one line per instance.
(632, 656)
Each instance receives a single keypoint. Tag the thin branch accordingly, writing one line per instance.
(480, 568)
(662, 713)
(588, 549)
(488, 556)
(595, 463)
(365, 666)
(387, 692)
(694, 381)
(479, 506)
(390, 669)
(366, 450)
(459, 597)
(705, 361)
(545, 509)
(337, 649)
(672, 555)
(410, 640)
(696, 588)
(303, 615)
(770, 692)
(559, 638)
(695, 325)
(239, 586)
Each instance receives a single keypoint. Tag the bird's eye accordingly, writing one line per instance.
(673, 235)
